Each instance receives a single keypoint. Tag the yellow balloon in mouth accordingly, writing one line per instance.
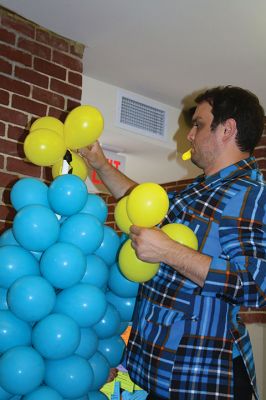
(187, 155)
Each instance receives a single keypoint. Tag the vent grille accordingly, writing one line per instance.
(140, 117)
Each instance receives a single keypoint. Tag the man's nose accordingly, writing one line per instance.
(191, 134)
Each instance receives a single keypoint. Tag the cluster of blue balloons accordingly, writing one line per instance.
(63, 300)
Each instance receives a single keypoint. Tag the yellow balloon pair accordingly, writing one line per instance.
(146, 206)
(49, 139)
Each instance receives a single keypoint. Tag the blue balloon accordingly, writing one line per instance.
(109, 324)
(36, 227)
(101, 368)
(13, 331)
(97, 395)
(109, 247)
(84, 231)
(112, 349)
(28, 191)
(124, 305)
(21, 370)
(56, 336)
(37, 254)
(123, 326)
(71, 376)
(15, 263)
(4, 395)
(96, 206)
(123, 238)
(96, 272)
(63, 265)
(7, 238)
(31, 298)
(3, 301)
(67, 194)
(120, 285)
(85, 303)
(88, 343)
(43, 393)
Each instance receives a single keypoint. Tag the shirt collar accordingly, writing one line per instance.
(242, 167)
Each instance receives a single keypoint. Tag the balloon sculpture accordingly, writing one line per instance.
(63, 301)
(68, 282)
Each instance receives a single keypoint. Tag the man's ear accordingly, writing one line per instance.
(230, 130)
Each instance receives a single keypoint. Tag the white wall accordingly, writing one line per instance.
(147, 159)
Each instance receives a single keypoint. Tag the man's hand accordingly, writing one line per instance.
(154, 246)
(94, 156)
(150, 244)
(112, 374)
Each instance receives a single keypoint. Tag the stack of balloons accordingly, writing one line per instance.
(63, 300)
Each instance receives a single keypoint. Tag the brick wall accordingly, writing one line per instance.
(40, 74)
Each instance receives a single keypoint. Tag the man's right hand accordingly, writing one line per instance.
(94, 156)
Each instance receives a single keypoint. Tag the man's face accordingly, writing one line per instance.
(205, 142)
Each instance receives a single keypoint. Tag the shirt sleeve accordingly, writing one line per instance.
(239, 274)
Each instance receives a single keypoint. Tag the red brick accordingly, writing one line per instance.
(55, 112)
(11, 148)
(4, 225)
(13, 116)
(48, 97)
(49, 68)
(23, 167)
(7, 180)
(19, 25)
(2, 161)
(31, 76)
(16, 55)
(65, 89)
(2, 129)
(260, 152)
(74, 78)
(17, 133)
(5, 66)
(71, 104)
(30, 106)
(4, 97)
(14, 85)
(77, 49)
(254, 317)
(35, 48)
(52, 40)
(47, 174)
(262, 164)
(7, 213)
(68, 61)
(7, 36)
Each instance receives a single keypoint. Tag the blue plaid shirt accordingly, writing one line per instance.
(183, 335)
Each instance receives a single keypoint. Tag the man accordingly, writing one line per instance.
(187, 340)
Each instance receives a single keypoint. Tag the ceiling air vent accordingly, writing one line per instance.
(138, 114)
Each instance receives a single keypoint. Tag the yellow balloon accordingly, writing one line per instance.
(82, 127)
(121, 218)
(133, 268)
(181, 234)
(78, 167)
(44, 147)
(51, 123)
(147, 204)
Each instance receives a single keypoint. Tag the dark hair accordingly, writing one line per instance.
(241, 105)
